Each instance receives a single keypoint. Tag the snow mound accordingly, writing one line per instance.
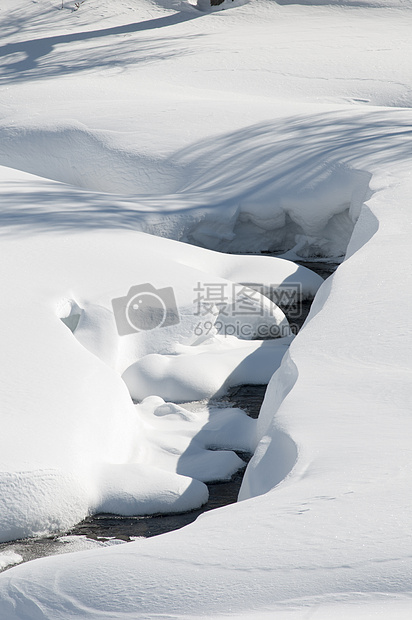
(138, 489)
(86, 159)
(304, 536)
(208, 370)
(9, 558)
(197, 195)
(274, 127)
(94, 449)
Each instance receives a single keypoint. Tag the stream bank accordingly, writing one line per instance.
(105, 529)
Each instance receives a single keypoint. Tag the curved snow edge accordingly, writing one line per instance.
(277, 454)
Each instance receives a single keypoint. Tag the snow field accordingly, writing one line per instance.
(270, 126)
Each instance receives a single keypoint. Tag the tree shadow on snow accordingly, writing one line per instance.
(269, 163)
(31, 59)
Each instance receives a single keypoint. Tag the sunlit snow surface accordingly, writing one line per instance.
(269, 126)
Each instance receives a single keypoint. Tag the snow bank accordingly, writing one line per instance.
(179, 180)
(310, 543)
(8, 558)
(92, 449)
(262, 206)
(199, 373)
(292, 144)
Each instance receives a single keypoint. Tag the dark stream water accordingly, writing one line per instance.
(103, 528)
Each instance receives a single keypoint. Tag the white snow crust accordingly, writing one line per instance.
(9, 558)
(139, 141)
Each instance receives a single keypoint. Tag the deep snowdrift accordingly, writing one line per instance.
(258, 204)
(343, 399)
(265, 126)
(68, 392)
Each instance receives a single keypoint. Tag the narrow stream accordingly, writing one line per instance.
(103, 529)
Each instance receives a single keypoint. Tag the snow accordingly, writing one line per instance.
(90, 438)
(270, 126)
(8, 558)
(27, 549)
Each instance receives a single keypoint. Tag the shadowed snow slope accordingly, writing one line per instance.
(295, 184)
(268, 126)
